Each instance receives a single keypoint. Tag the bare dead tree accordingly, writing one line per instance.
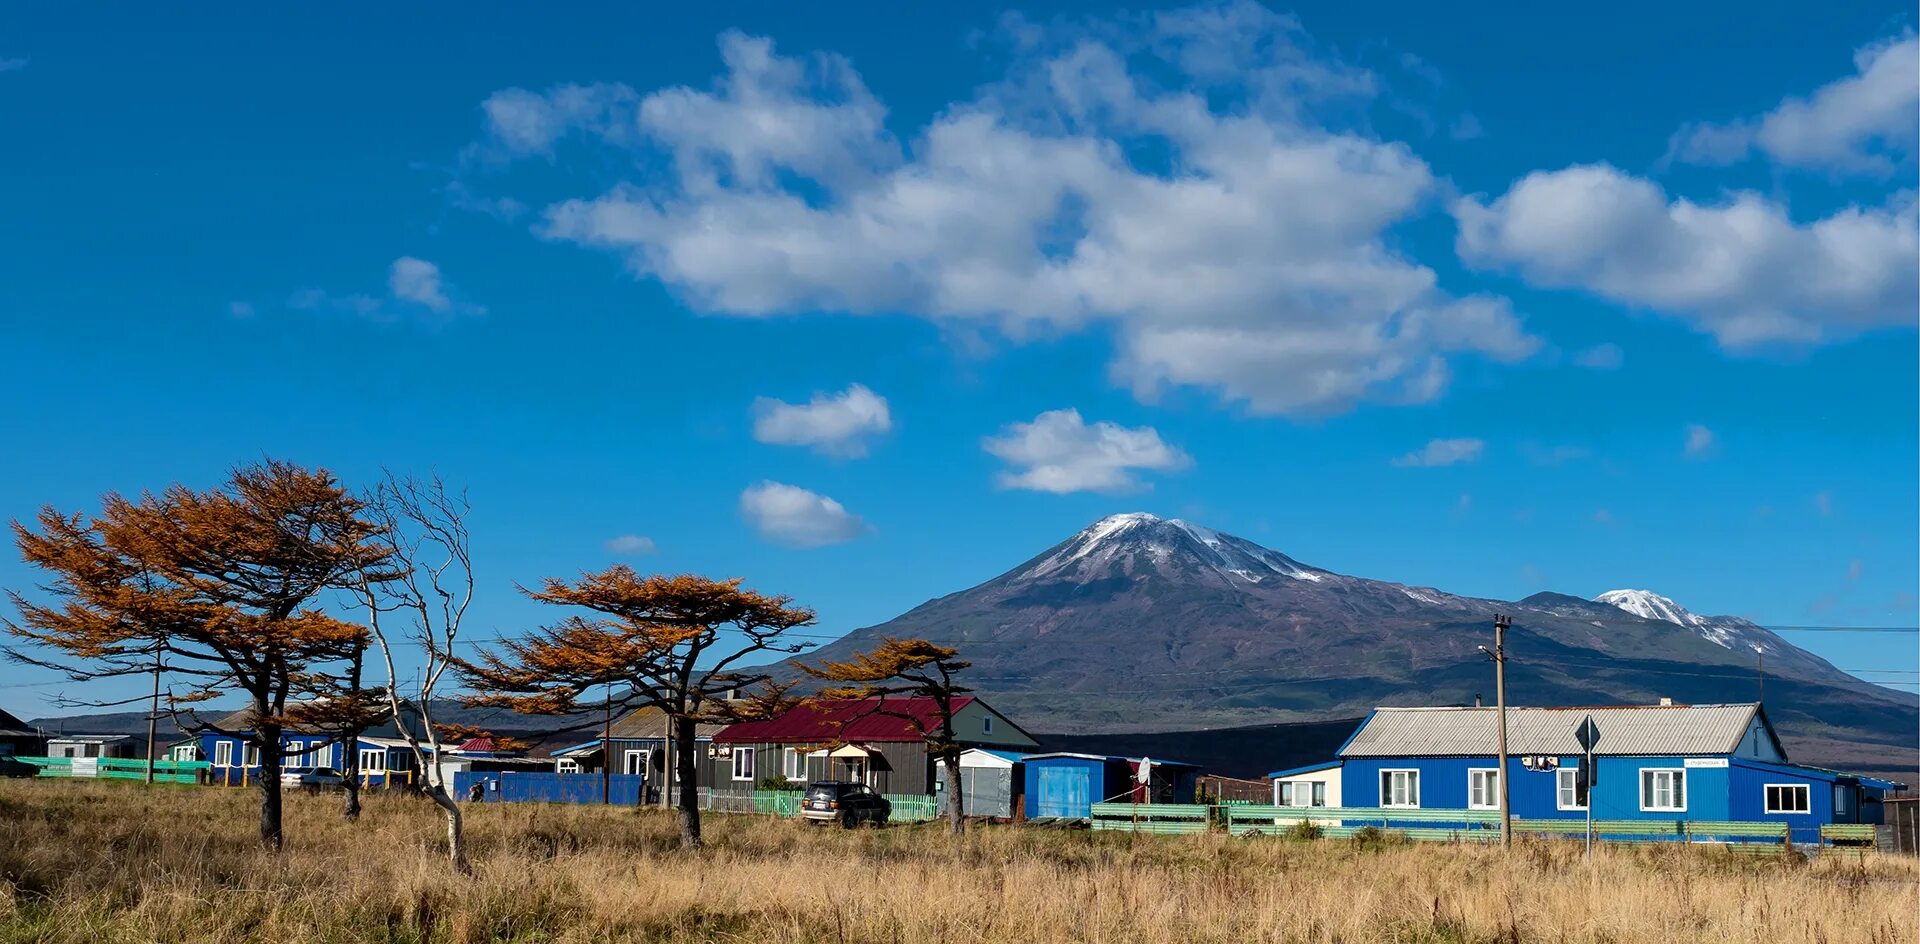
(423, 609)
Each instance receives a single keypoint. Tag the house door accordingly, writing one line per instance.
(1065, 791)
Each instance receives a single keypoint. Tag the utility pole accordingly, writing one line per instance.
(1762, 655)
(1500, 624)
(153, 710)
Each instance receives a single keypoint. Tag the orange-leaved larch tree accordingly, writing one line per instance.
(224, 581)
(422, 607)
(676, 642)
(907, 668)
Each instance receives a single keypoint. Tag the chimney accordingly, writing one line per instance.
(1666, 702)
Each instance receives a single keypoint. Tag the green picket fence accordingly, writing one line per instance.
(118, 768)
(907, 808)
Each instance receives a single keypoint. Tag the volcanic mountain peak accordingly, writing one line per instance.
(1720, 630)
(1139, 540)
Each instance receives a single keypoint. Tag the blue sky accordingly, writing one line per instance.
(868, 303)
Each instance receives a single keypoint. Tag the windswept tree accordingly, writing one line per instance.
(344, 706)
(674, 642)
(907, 668)
(223, 581)
(419, 611)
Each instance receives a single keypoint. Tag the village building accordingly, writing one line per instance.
(878, 742)
(19, 740)
(96, 746)
(1067, 785)
(1709, 763)
(641, 741)
(385, 758)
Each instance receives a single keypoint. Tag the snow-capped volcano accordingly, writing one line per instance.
(1720, 630)
(1136, 539)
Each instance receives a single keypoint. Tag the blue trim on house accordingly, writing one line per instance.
(1309, 769)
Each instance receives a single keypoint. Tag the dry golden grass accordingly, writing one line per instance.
(120, 862)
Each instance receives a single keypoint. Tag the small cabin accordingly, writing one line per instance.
(1067, 785)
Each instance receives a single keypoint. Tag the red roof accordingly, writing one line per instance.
(821, 722)
(482, 745)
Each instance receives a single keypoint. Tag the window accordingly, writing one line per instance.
(1789, 798)
(793, 765)
(636, 762)
(1483, 789)
(743, 763)
(1567, 789)
(986, 724)
(253, 755)
(1400, 788)
(1663, 789)
(223, 754)
(373, 760)
(1319, 794)
(566, 765)
(1302, 793)
(318, 755)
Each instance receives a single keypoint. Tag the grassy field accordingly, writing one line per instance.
(121, 862)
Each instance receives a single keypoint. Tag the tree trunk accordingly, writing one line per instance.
(350, 774)
(684, 757)
(456, 835)
(956, 803)
(270, 750)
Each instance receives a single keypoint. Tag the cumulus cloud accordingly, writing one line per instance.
(417, 281)
(1230, 240)
(1864, 123)
(1700, 441)
(1740, 269)
(1059, 452)
(631, 544)
(790, 515)
(1439, 452)
(832, 424)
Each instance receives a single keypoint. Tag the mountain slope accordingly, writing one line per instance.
(1141, 623)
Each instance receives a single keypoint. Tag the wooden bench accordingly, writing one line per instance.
(1698, 831)
(1167, 818)
(1849, 834)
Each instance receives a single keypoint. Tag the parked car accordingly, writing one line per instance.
(312, 778)
(16, 768)
(848, 803)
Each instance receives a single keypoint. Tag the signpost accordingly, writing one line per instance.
(1588, 734)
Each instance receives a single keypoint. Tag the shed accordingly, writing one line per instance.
(1067, 785)
(992, 781)
(18, 739)
(85, 746)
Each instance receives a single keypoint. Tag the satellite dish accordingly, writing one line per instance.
(1145, 774)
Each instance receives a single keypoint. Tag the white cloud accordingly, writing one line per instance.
(631, 544)
(520, 122)
(832, 424)
(1606, 356)
(1741, 269)
(1438, 452)
(418, 281)
(793, 516)
(1700, 441)
(1249, 258)
(12, 65)
(1864, 123)
(1059, 452)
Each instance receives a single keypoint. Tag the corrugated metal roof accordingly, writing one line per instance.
(1474, 732)
(829, 721)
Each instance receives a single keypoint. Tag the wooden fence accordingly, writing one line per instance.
(117, 768)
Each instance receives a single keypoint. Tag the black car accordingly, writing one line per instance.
(843, 801)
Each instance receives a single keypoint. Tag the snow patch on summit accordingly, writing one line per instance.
(1159, 539)
(1722, 631)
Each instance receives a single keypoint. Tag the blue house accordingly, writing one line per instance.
(1702, 763)
(233, 760)
(1067, 785)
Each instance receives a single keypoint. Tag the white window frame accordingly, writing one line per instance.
(1806, 796)
(986, 724)
(1317, 793)
(1413, 787)
(378, 757)
(740, 753)
(632, 768)
(250, 756)
(223, 753)
(1676, 787)
(1492, 802)
(793, 764)
(566, 765)
(1566, 789)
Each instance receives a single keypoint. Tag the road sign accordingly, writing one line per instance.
(1588, 734)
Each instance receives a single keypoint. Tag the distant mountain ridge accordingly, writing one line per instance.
(1141, 623)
